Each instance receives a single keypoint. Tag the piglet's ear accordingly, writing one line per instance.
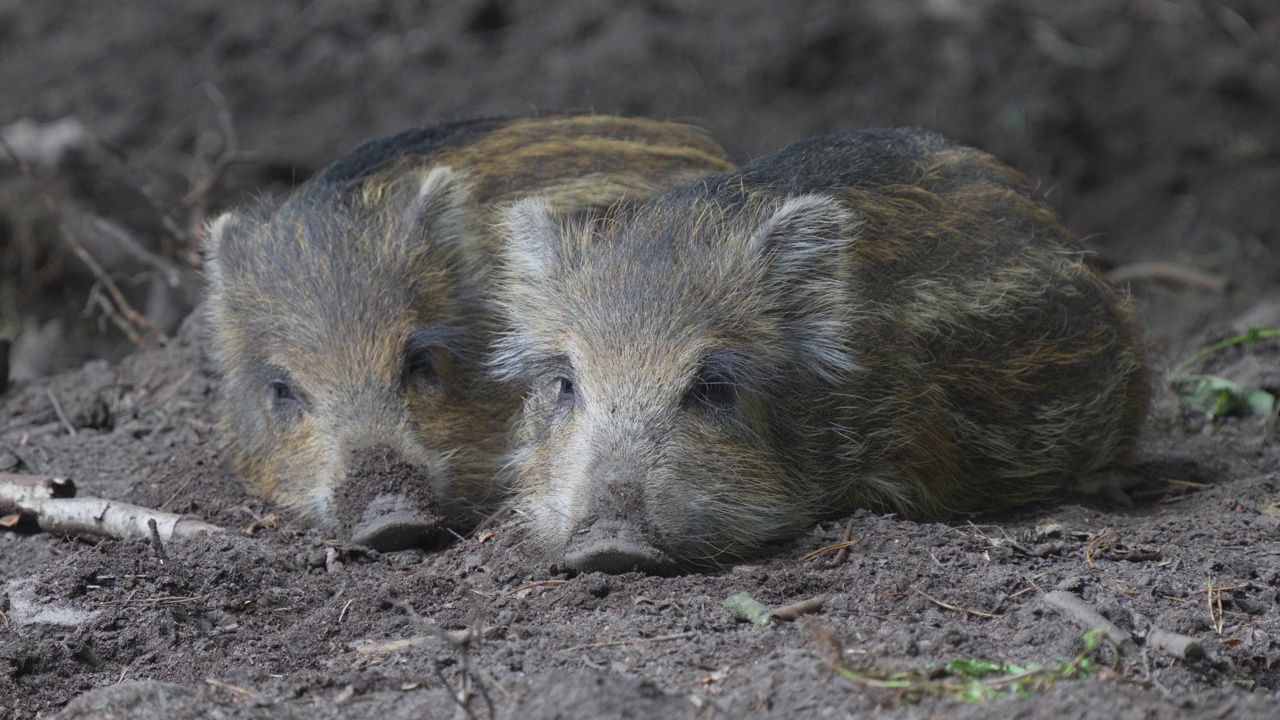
(802, 230)
(805, 248)
(530, 230)
(438, 210)
(216, 238)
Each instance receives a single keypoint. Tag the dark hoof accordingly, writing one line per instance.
(616, 548)
(391, 523)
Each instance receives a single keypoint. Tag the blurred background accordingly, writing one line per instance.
(1152, 125)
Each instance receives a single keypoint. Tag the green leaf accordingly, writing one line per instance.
(1218, 396)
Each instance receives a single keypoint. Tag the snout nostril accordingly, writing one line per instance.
(615, 548)
(388, 503)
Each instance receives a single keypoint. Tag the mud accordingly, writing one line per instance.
(1149, 124)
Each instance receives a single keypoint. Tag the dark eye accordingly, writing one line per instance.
(284, 397)
(714, 388)
(280, 390)
(566, 395)
(420, 364)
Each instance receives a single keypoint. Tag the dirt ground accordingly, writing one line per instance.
(1150, 124)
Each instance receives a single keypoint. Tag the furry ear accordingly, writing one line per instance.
(530, 230)
(438, 208)
(216, 232)
(804, 246)
(803, 228)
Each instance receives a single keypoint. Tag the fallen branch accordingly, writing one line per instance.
(1179, 646)
(18, 491)
(795, 610)
(51, 502)
(1085, 616)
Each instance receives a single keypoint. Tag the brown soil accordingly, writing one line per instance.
(1151, 124)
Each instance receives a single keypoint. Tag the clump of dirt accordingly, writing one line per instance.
(1150, 124)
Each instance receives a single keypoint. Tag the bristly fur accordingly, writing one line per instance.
(908, 329)
(356, 312)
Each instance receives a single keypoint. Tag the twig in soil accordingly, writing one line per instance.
(1217, 620)
(844, 551)
(461, 642)
(540, 583)
(1089, 554)
(1169, 272)
(955, 608)
(616, 643)
(97, 298)
(247, 694)
(5, 618)
(829, 549)
(155, 540)
(62, 415)
(1085, 616)
(175, 494)
(343, 615)
(1030, 587)
(795, 610)
(1178, 646)
(123, 309)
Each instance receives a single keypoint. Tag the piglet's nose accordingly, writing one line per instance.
(616, 547)
(388, 504)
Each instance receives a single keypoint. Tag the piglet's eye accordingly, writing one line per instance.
(280, 390)
(286, 401)
(420, 364)
(567, 394)
(715, 389)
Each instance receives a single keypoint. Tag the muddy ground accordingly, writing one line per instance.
(1152, 125)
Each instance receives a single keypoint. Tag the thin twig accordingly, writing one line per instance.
(1089, 554)
(97, 298)
(175, 494)
(155, 540)
(121, 303)
(828, 549)
(233, 688)
(616, 643)
(57, 409)
(540, 583)
(844, 551)
(948, 606)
